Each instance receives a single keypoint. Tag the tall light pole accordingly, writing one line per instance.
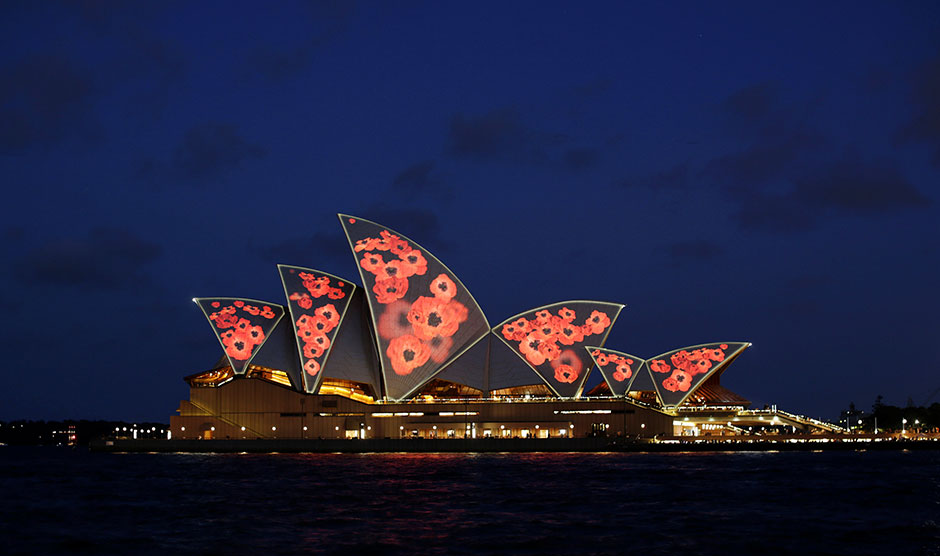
(903, 423)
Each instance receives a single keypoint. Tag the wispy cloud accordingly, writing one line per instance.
(209, 150)
(500, 135)
(107, 259)
(924, 127)
(44, 98)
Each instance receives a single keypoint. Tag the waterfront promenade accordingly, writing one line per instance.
(491, 445)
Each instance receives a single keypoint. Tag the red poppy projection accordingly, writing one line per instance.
(676, 374)
(241, 325)
(317, 302)
(618, 369)
(551, 339)
(423, 315)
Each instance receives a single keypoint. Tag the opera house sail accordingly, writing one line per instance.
(408, 353)
(423, 316)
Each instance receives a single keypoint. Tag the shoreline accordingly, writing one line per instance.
(496, 445)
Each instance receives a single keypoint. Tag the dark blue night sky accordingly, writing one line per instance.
(737, 171)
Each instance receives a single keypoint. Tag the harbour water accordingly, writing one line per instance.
(72, 501)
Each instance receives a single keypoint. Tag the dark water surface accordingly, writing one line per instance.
(58, 500)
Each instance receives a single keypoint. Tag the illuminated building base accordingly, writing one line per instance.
(246, 408)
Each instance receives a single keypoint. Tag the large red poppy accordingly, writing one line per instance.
(431, 316)
(659, 366)
(393, 322)
(549, 349)
(239, 346)
(443, 287)
(529, 347)
(548, 329)
(398, 246)
(543, 316)
(671, 384)
(681, 359)
(623, 370)
(256, 334)
(224, 320)
(321, 340)
(565, 373)
(372, 262)
(304, 322)
(316, 345)
(320, 325)
(699, 367)
(364, 244)
(306, 334)
(567, 314)
(227, 337)
(318, 289)
(389, 241)
(682, 379)
(598, 321)
(569, 334)
(716, 354)
(391, 269)
(522, 325)
(390, 289)
(510, 332)
(407, 353)
(381, 244)
(414, 262)
(570, 358)
(329, 313)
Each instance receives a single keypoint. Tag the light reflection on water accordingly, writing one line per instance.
(67, 501)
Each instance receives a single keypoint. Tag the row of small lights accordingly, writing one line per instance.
(501, 427)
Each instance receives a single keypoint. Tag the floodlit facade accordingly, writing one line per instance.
(409, 353)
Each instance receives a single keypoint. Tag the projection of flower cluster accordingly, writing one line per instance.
(317, 302)
(551, 338)
(619, 369)
(423, 315)
(677, 373)
(241, 325)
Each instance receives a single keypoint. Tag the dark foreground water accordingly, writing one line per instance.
(58, 500)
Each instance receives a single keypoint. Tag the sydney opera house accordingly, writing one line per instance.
(408, 353)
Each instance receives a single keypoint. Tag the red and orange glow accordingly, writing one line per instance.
(423, 316)
(317, 302)
(241, 325)
(550, 340)
(676, 374)
(618, 369)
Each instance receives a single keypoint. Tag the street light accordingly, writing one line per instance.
(903, 422)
